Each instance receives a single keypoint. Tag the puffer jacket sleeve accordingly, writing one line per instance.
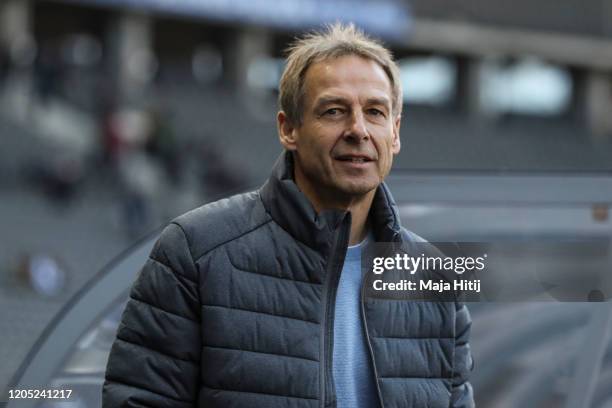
(154, 361)
(462, 395)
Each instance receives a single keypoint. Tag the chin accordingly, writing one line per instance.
(358, 188)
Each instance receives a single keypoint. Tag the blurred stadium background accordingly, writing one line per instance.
(116, 116)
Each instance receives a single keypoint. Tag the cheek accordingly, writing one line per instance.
(319, 146)
(313, 150)
(313, 154)
(384, 145)
(385, 156)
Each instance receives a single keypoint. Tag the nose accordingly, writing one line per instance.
(356, 129)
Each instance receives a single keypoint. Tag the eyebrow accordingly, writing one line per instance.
(378, 101)
(326, 100)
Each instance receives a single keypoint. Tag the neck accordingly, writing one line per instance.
(358, 205)
(359, 224)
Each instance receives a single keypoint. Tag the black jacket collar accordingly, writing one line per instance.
(290, 208)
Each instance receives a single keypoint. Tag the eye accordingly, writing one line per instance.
(375, 112)
(333, 112)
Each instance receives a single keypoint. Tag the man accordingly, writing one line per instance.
(256, 300)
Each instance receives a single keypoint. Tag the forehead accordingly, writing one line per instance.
(346, 76)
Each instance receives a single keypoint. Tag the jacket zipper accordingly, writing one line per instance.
(368, 341)
(332, 279)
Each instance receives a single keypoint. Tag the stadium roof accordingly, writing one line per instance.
(577, 17)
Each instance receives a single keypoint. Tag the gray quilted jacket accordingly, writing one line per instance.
(234, 309)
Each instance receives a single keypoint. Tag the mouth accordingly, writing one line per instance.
(358, 159)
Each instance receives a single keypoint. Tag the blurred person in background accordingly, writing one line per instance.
(140, 174)
(255, 300)
(110, 139)
(4, 65)
(49, 73)
(163, 144)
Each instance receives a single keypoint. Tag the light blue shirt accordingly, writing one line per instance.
(352, 370)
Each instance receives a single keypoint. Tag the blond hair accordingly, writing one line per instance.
(336, 40)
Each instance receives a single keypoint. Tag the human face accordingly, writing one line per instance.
(349, 135)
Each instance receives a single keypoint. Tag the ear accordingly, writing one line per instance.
(396, 145)
(286, 131)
